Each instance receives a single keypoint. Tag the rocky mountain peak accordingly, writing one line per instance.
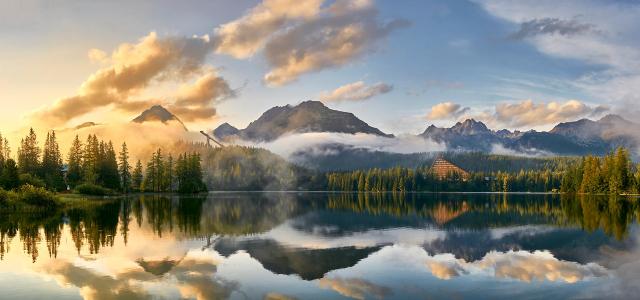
(158, 113)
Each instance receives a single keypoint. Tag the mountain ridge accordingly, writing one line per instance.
(578, 137)
(308, 116)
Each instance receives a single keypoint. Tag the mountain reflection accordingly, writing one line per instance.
(241, 215)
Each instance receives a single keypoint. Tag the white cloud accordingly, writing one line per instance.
(287, 145)
(356, 91)
(610, 42)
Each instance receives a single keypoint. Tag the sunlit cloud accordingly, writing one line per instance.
(299, 37)
(356, 91)
(132, 68)
(446, 110)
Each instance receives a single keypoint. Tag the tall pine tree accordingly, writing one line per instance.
(124, 169)
(137, 178)
(74, 163)
(29, 154)
(51, 170)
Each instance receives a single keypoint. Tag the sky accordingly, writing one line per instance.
(398, 65)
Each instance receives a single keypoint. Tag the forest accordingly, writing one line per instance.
(613, 174)
(95, 167)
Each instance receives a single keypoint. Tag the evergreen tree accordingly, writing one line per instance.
(29, 154)
(110, 177)
(90, 160)
(10, 178)
(189, 174)
(168, 174)
(124, 169)
(2, 157)
(137, 177)
(52, 164)
(74, 163)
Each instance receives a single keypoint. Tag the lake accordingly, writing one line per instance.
(325, 246)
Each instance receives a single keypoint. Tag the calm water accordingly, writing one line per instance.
(325, 246)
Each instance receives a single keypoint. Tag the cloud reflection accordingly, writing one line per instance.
(518, 265)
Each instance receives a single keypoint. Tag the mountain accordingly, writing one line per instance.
(225, 130)
(611, 129)
(570, 138)
(470, 134)
(308, 116)
(157, 113)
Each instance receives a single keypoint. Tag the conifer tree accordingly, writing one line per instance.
(10, 178)
(90, 161)
(52, 164)
(124, 169)
(168, 174)
(137, 177)
(29, 154)
(2, 158)
(110, 177)
(74, 163)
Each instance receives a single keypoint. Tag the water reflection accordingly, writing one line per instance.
(332, 245)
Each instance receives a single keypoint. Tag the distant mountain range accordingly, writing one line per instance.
(308, 116)
(570, 138)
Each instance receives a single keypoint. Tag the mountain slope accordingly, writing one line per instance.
(158, 113)
(308, 116)
(570, 138)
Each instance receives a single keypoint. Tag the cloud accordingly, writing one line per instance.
(342, 33)
(299, 37)
(287, 145)
(197, 101)
(519, 265)
(610, 53)
(527, 113)
(446, 110)
(243, 37)
(551, 26)
(354, 287)
(132, 68)
(97, 56)
(356, 91)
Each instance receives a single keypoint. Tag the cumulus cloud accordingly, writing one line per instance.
(355, 92)
(354, 287)
(446, 110)
(299, 37)
(527, 113)
(243, 37)
(551, 26)
(519, 265)
(197, 101)
(132, 68)
(341, 34)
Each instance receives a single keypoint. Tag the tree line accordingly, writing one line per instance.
(425, 179)
(94, 167)
(611, 174)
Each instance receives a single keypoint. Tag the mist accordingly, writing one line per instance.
(311, 142)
